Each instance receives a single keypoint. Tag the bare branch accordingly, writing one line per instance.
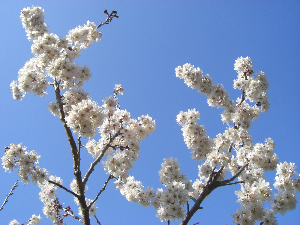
(97, 220)
(62, 187)
(9, 194)
(103, 188)
(109, 18)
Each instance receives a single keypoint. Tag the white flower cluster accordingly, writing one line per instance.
(257, 158)
(252, 198)
(133, 191)
(34, 220)
(169, 203)
(85, 117)
(33, 21)
(26, 162)
(31, 79)
(84, 36)
(254, 88)
(69, 98)
(287, 188)
(194, 134)
(243, 66)
(53, 56)
(132, 132)
(119, 89)
(48, 196)
(193, 77)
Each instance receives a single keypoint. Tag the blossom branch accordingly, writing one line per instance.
(9, 194)
(211, 185)
(225, 182)
(92, 167)
(76, 168)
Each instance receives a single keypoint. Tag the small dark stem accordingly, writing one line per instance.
(109, 18)
(238, 182)
(91, 169)
(97, 220)
(9, 194)
(62, 187)
(103, 188)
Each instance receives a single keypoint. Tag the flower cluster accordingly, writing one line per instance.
(85, 117)
(193, 77)
(34, 220)
(53, 56)
(287, 188)
(134, 191)
(194, 134)
(254, 87)
(69, 98)
(252, 197)
(169, 203)
(33, 21)
(131, 133)
(52, 208)
(254, 158)
(26, 162)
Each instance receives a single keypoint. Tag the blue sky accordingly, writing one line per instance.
(141, 50)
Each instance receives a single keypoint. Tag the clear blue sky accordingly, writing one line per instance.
(140, 50)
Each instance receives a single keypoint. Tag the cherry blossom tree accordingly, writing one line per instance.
(231, 158)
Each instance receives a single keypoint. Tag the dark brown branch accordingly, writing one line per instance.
(77, 172)
(225, 182)
(103, 188)
(97, 220)
(79, 147)
(62, 187)
(211, 185)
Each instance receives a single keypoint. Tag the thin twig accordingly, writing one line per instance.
(9, 194)
(97, 220)
(92, 167)
(109, 18)
(103, 188)
(62, 187)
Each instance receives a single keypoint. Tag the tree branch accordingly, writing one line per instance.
(9, 194)
(62, 187)
(97, 220)
(109, 18)
(211, 185)
(225, 182)
(91, 169)
(77, 172)
(103, 188)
